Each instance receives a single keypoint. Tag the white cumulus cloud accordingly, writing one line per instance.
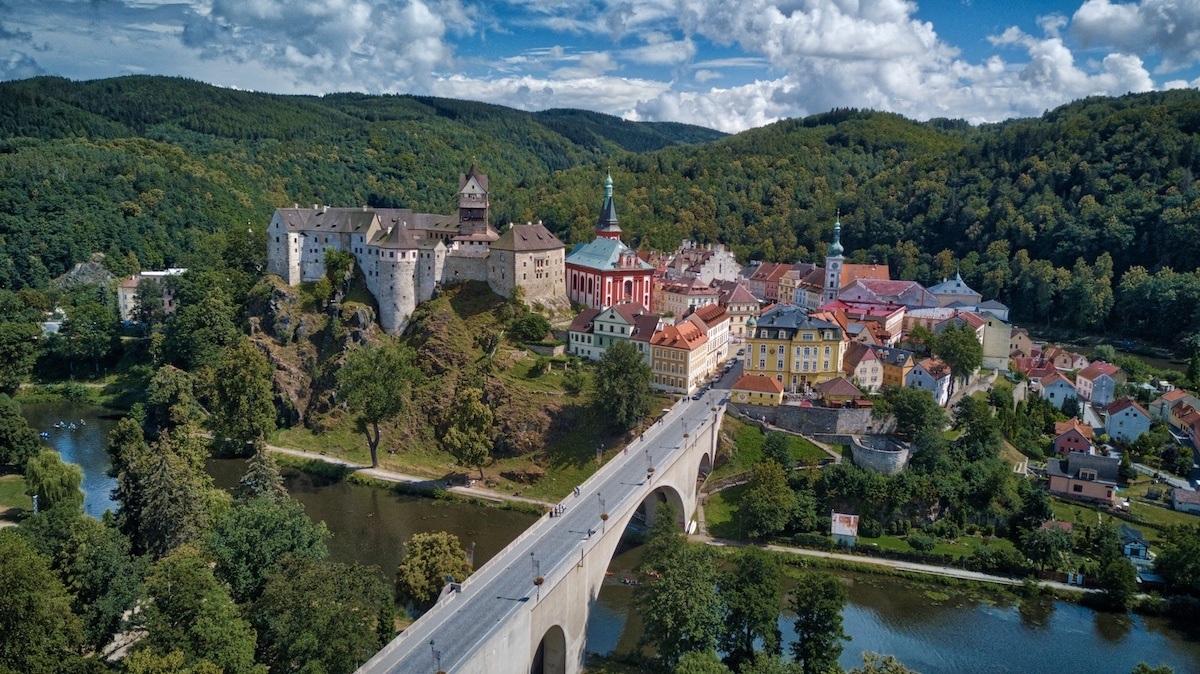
(1169, 27)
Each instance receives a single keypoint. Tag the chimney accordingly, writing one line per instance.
(364, 208)
(295, 205)
(315, 206)
(326, 209)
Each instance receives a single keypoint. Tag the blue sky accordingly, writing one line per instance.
(725, 64)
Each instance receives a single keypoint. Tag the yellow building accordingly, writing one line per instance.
(798, 351)
(757, 389)
(678, 356)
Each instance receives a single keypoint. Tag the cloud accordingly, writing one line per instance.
(18, 66)
(704, 75)
(661, 50)
(372, 45)
(618, 94)
(1168, 27)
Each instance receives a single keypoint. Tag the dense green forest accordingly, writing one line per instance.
(1084, 217)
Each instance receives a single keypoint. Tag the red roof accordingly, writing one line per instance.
(581, 321)
(759, 383)
(1051, 377)
(1097, 368)
(711, 314)
(838, 387)
(851, 272)
(1174, 395)
(685, 335)
(1125, 403)
(1064, 427)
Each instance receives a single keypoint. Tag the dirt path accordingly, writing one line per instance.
(912, 567)
(393, 476)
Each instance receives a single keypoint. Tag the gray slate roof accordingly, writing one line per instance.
(1105, 467)
(527, 238)
(601, 254)
(793, 317)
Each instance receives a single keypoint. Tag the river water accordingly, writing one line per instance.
(926, 630)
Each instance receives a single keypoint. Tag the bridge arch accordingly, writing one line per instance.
(664, 494)
(551, 654)
(706, 466)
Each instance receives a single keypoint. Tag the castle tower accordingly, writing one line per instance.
(396, 257)
(606, 224)
(473, 216)
(833, 264)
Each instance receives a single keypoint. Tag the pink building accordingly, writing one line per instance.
(1088, 477)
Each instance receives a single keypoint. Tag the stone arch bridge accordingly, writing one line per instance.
(502, 620)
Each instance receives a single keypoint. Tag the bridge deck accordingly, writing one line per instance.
(502, 586)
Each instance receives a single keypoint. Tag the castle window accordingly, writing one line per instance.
(277, 239)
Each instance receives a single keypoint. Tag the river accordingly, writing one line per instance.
(927, 631)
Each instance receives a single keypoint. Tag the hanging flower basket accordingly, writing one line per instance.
(686, 435)
(604, 517)
(539, 580)
(650, 469)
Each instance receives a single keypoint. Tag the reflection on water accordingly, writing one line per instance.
(928, 632)
(84, 445)
(935, 634)
(370, 525)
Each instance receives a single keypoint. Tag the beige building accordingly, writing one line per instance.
(531, 257)
(714, 320)
(677, 357)
(680, 298)
(741, 306)
(127, 293)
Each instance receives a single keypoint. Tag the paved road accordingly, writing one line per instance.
(501, 586)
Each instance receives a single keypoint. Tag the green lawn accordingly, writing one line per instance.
(12, 497)
(748, 442)
(1152, 517)
(719, 511)
(963, 546)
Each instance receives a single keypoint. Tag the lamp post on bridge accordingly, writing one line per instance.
(437, 657)
(603, 512)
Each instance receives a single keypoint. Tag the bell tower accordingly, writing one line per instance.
(833, 264)
(606, 224)
(473, 217)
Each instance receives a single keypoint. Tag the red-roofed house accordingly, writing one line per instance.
(1072, 436)
(757, 389)
(1126, 420)
(1097, 382)
(931, 374)
(764, 282)
(677, 355)
(1019, 343)
(741, 304)
(1063, 359)
(838, 392)
(1161, 407)
(864, 368)
(872, 291)
(581, 338)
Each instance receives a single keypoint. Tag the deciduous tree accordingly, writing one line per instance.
(38, 631)
(768, 503)
(53, 482)
(751, 594)
(681, 611)
(321, 617)
(429, 558)
(243, 413)
(817, 600)
(18, 442)
(184, 608)
(18, 353)
(250, 539)
(959, 347)
(375, 384)
(622, 393)
(471, 433)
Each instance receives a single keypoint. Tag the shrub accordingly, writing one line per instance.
(869, 527)
(921, 542)
(815, 541)
(530, 328)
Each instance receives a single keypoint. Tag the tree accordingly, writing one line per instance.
(665, 540)
(575, 380)
(622, 395)
(93, 562)
(262, 479)
(52, 482)
(198, 332)
(874, 663)
(90, 332)
(1044, 545)
(531, 327)
(429, 558)
(768, 503)
(18, 442)
(38, 631)
(320, 617)
(1119, 581)
(186, 609)
(700, 662)
(471, 433)
(171, 399)
(959, 348)
(681, 611)
(148, 307)
(1143, 668)
(1035, 509)
(921, 542)
(920, 338)
(778, 446)
(249, 540)
(244, 404)
(18, 353)
(177, 499)
(375, 384)
(817, 601)
(338, 264)
(914, 409)
(751, 594)
(1178, 559)
(1070, 407)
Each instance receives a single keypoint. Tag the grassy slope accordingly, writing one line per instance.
(564, 453)
(12, 497)
(747, 451)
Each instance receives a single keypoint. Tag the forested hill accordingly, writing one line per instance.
(149, 165)
(1049, 214)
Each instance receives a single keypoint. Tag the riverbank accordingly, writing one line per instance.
(414, 483)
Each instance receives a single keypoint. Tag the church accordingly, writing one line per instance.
(605, 271)
(405, 256)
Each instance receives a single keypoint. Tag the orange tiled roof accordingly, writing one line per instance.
(685, 335)
(1062, 427)
(759, 383)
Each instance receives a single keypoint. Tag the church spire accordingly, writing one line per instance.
(835, 249)
(606, 224)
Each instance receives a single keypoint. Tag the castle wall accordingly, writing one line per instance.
(396, 292)
(312, 252)
(460, 268)
(879, 453)
(820, 420)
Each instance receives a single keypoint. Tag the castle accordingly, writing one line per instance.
(404, 256)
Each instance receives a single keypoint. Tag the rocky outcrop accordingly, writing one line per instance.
(89, 272)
